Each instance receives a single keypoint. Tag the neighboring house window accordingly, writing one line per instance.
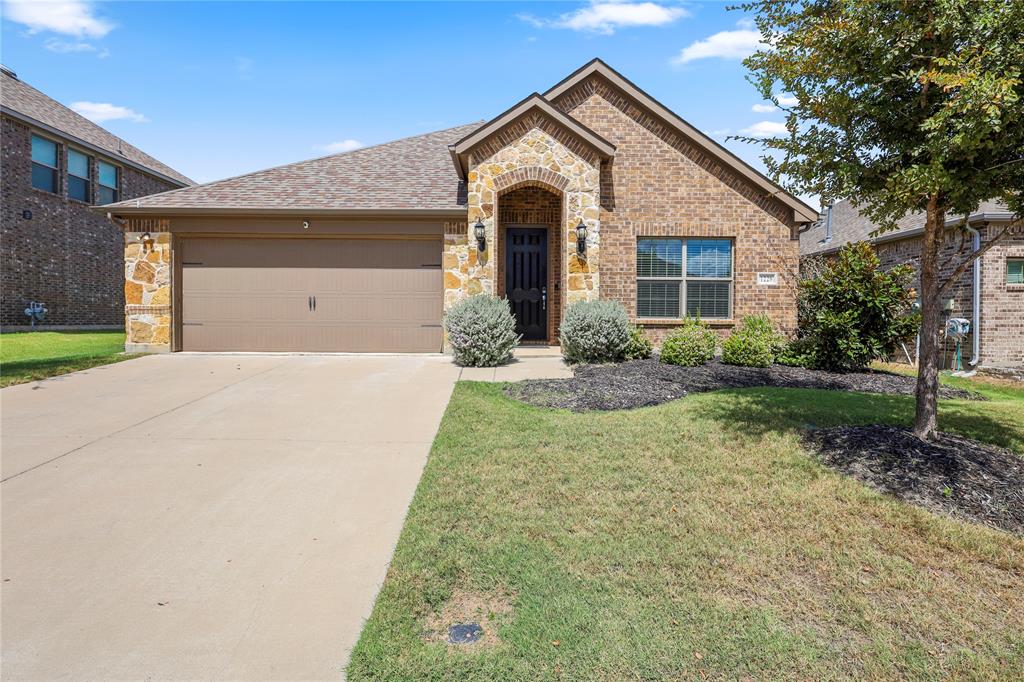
(1015, 270)
(109, 189)
(78, 175)
(677, 277)
(44, 164)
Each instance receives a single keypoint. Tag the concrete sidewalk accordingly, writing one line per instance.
(529, 362)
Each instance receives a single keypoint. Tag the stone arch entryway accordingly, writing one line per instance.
(528, 257)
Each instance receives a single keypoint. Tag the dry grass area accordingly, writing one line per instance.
(695, 539)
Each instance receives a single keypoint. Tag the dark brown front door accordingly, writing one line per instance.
(526, 280)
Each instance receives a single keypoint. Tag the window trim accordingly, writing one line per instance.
(89, 159)
(1007, 281)
(99, 182)
(57, 189)
(683, 278)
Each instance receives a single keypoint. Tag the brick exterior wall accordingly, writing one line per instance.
(67, 256)
(661, 184)
(1002, 305)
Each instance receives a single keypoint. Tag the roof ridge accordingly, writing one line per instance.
(130, 202)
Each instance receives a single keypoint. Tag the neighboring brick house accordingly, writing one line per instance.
(999, 309)
(591, 190)
(56, 250)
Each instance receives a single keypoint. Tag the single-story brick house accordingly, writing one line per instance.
(990, 294)
(590, 190)
(56, 250)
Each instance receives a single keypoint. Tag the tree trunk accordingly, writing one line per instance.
(927, 391)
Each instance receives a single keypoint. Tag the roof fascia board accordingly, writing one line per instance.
(535, 100)
(802, 213)
(7, 111)
(297, 212)
(973, 219)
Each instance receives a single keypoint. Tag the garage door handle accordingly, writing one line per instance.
(314, 304)
(309, 303)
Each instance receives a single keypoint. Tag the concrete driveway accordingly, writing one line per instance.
(207, 516)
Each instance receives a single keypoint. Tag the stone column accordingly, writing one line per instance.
(147, 292)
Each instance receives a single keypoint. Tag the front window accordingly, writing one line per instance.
(677, 277)
(1015, 270)
(44, 164)
(78, 175)
(109, 189)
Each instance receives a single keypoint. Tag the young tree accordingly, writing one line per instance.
(900, 106)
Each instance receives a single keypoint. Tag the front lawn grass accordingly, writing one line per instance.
(30, 356)
(696, 539)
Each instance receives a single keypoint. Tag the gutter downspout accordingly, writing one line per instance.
(976, 301)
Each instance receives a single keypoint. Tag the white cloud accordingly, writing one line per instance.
(69, 17)
(65, 47)
(98, 112)
(605, 17)
(764, 108)
(721, 132)
(342, 146)
(723, 45)
(786, 100)
(766, 129)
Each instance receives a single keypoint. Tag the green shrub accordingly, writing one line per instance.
(796, 353)
(755, 343)
(594, 331)
(639, 347)
(690, 344)
(481, 331)
(854, 312)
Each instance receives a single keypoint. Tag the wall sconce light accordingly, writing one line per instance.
(147, 241)
(479, 231)
(581, 238)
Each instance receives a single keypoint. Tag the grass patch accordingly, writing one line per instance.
(695, 538)
(30, 356)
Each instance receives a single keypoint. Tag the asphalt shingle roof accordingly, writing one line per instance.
(23, 99)
(849, 225)
(415, 173)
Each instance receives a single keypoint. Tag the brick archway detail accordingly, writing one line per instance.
(531, 176)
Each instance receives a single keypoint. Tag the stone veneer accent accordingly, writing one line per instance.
(530, 152)
(147, 289)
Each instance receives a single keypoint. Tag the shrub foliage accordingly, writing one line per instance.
(594, 331)
(639, 346)
(481, 331)
(755, 343)
(690, 344)
(854, 312)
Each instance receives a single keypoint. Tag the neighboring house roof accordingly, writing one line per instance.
(23, 102)
(532, 103)
(850, 225)
(410, 175)
(801, 212)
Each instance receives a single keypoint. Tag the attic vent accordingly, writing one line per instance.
(8, 72)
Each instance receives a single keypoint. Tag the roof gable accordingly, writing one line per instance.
(802, 213)
(23, 102)
(535, 103)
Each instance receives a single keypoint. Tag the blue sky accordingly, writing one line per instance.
(216, 89)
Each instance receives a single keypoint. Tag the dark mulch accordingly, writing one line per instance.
(952, 475)
(648, 382)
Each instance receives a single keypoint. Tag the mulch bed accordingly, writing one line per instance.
(641, 383)
(952, 475)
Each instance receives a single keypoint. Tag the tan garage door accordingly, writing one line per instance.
(357, 295)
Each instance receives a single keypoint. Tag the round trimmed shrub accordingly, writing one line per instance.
(690, 344)
(754, 344)
(594, 331)
(639, 347)
(481, 331)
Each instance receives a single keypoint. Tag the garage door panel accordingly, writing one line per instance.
(381, 295)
